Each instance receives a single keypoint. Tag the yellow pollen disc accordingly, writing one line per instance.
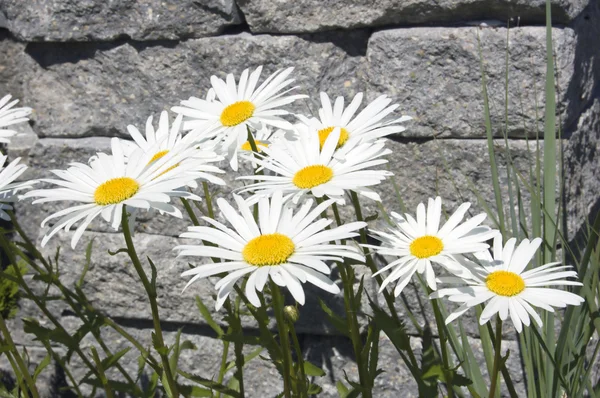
(269, 249)
(158, 155)
(237, 113)
(505, 283)
(426, 246)
(247, 147)
(311, 176)
(324, 133)
(115, 191)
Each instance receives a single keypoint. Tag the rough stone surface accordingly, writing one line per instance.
(98, 89)
(289, 16)
(435, 73)
(582, 168)
(73, 20)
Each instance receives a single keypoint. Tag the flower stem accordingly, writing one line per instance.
(151, 291)
(302, 384)
(497, 356)
(283, 339)
(222, 366)
(17, 357)
(389, 299)
(207, 198)
(439, 320)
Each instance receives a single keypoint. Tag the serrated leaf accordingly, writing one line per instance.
(460, 380)
(314, 389)
(213, 385)
(110, 361)
(113, 384)
(88, 261)
(247, 358)
(204, 311)
(396, 332)
(194, 391)
(38, 369)
(337, 321)
(313, 370)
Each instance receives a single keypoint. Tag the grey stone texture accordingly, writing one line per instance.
(90, 68)
(289, 16)
(436, 73)
(89, 20)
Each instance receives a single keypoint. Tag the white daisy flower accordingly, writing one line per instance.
(9, 188)
(238, 107)
(510, 289)
(290, 248)
(304, 168)
(109, 182)
(158, 142)
(10, 116)
(369, 125)
(421, 242)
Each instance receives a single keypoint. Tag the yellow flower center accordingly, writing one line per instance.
(237, 113)
(426, 246)
(505, 283)
(115, 191)
(247, 147)
(269, 249)
(324, 133)
(311, 176)
(158, 155)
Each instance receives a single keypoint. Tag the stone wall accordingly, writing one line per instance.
(89, 68)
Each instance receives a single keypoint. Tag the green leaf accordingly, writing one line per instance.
(342, 389)
(314, 389)
(41, 366)
(337, 321)
(113, 384)
(247, 358)
(152, 277)
(313, 370)
(396, 332)
(109, 361)
(213, 385)
(372, 217)
(204, 311)
(194, 391)
(88, 261)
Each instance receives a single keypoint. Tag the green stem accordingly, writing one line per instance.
(303, 387)
(9, 252)
(238, 344)
(151, 292)
(223, 365)
(17, 358)
(439, 320)
(389, 299)
(497, 356)
(351, 307)
(207, 198)
(283, 339)
(103, 379)
(16, 369)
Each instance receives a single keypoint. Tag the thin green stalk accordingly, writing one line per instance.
(151, 292)
(351, 307)
(296, 343)
(283, 339)
(497, 356)
(439, 320)
(190, 211)
(549, 175)
(238, 344)
(223, 366)
(103, 378)
(9, 252)
(207, 198)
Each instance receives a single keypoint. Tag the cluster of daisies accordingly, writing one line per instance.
(274, 230)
